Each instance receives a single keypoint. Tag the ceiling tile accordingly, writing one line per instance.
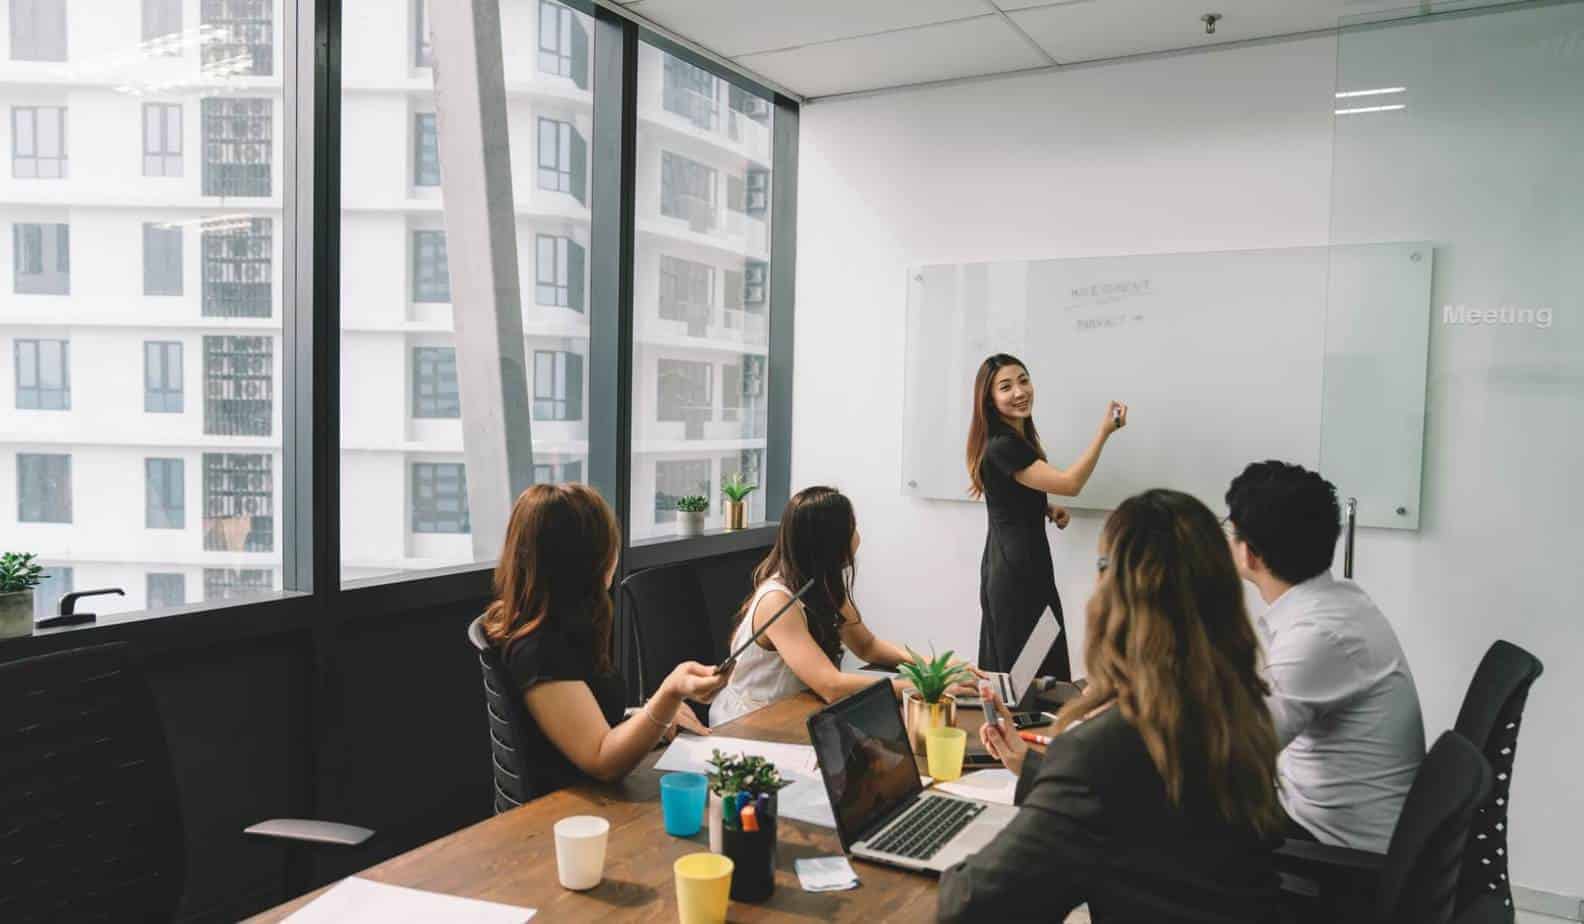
(959, 49)
(738, 27)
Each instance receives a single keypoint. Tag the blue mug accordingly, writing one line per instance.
(682, 798)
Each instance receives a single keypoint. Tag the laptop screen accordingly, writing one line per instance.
(865, 758)
(1046, 631)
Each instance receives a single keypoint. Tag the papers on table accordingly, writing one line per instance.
(804, 800)
(352, 901)
(998, 786)
(826, 874)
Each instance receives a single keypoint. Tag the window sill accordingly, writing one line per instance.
(191, 625)
(670, 550)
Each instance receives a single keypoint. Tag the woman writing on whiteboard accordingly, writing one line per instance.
(1007, 466)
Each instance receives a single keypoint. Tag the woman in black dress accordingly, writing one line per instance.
(1007, 466)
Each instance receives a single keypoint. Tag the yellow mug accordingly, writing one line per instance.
(944, 748)
(703, 883)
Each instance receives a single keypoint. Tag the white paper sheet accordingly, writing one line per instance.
(998, 786)
(826, 874)
(691, 754)
(354, 901)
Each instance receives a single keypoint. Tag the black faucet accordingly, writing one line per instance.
(68, 602)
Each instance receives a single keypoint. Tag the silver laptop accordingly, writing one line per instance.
(883, 812)
(1013, 685)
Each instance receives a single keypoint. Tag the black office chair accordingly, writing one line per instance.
(1489, 719)
(515, 779)
(1486, 909)
(1416, 880)
(669, 623)
(91, 824)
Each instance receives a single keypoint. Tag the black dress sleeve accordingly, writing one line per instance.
(543, 655)
(1009, 455)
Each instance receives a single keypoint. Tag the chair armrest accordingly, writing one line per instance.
(1301, 856)
(311, 831)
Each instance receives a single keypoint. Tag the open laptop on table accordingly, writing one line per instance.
(883, 812)
(1016, 685)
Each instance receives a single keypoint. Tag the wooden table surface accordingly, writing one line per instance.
(510, 858)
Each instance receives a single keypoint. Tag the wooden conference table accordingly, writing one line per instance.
(510, 858)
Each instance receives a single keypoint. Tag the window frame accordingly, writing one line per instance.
(431, 285)
(166, 392)
(429, 401)
(426, 150)
(164, 492)
(35, 159)
(424, 513)
(37, 394)
(164, 157)
(56, 509)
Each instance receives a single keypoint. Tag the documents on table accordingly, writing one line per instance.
(804, 800)
(354, 900)
(998, 786)
(826, 874)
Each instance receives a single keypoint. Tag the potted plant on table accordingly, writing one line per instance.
(737, 490)
(746, 831)
(19, 574)
(690, 514)
(927, 705)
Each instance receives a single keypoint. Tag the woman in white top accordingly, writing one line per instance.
(802, 650)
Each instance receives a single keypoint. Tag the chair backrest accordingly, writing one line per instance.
(1419, 880)
(90, 815)
(1491, 713)
(669, 622)
(514, 780)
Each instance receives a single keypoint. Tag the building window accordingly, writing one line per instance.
(690, 92)
(558, 385)
(162, 25)
(162, 376)
(41, 256)
(239, 385)
(750, 193)
(237, 146)
(687, 191)
(563, 158)
(166, 589)
(563, 43)
(165, 502)
(423, 47)
(431, 272)
(54, 583)
(44, 488)
(687, 293)
(239, 502)
(239, 38)
(740, 384)
(38, 142)
(435, 383)
(43, 375)
(558, 272)
(162, 139)
(753, 107)
(426, 150)
(38, 30)
(756, 281)
(685, 390)
(227, 583)
(237, 269)
(676, 479)
(439, 497)
(162, 259)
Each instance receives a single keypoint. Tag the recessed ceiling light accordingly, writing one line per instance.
(1361, 109)
(1380, 91)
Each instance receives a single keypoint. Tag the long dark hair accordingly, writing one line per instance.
(985, 416)
(560, 544)
(1169, 642)
(815, 541)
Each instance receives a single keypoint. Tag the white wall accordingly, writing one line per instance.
(1226, 150)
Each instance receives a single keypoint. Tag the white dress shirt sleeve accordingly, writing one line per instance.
(1309, 672)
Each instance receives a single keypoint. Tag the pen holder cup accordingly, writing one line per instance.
(753, 854)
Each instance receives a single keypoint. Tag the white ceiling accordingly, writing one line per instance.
(826, 47)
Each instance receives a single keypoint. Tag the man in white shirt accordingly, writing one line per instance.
(1342, 697)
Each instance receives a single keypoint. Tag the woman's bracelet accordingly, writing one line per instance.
(663, 726)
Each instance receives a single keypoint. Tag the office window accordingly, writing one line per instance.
(166, 589)
(227, 583)
(563, 159)
(41, 259)
(431, 272)
(237, 268)
(43, 375)
(162, 377)
(558, 270)
(426, 150)
(165, 503)
(439, 498)
(676, 479)
(435, 383)
(162, 139)
(44, 488)
(558, 385)
(687, 191)
(685, 389)
(38, 30)
(237, 145)
(687, 293)
(38, 142)
(239, 385)
(563, 43)
(162, 259)
(239, 502)
(690, 92)
(162, 25)
(238, 38)
(423, 49)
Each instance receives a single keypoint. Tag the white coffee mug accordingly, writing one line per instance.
(580, 851)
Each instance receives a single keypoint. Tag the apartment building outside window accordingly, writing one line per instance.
(237, 145)
(685, 389)
(690, 92)
(558, 385)
(44, 487)
(563, 158)
(431, 271)
(162, 25)
(38, 142)
(439, 498)
(237, 269)
(435, 383)
(741, 383)
(687, 191)
(38, 30)
(239, 385)
(547, 474)
(426, 150)
(239, 37)
(41, 258)
(165, 588)
(558, 272)
(676, 479)
(162, 377)
(687, 293)
(742, 107)
(162, 259)
(423, 48)
(43, 375)
(226, 583)
(239, 502)
(563, 43)
(162, 139)
(749, 193)
(165, 504)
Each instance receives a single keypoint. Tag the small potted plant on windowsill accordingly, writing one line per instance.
(690, 514)
(19, 574)
(737, 490)
(927, 705)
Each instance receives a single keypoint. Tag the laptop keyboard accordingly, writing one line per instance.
(921, 832)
